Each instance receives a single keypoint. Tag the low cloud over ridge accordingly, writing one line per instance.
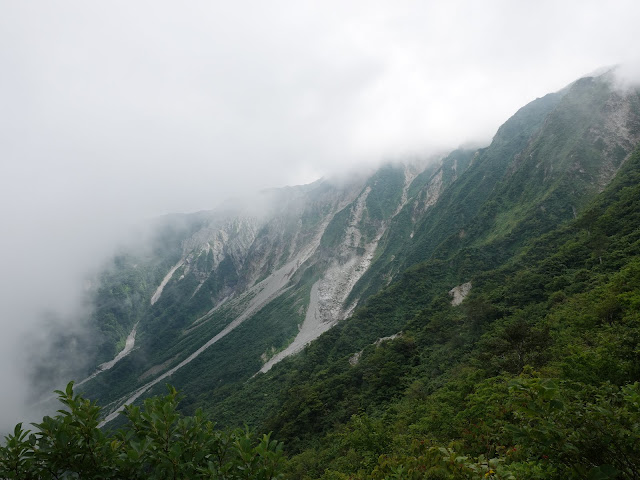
(115, 112)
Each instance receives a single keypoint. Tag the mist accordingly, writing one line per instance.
(113, 113)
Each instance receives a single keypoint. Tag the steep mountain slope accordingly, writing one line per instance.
(271, 279)
(234, 293)
(542, 166)
(464, 251)
(534, 375)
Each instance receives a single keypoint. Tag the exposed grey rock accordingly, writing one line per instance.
(459, 293)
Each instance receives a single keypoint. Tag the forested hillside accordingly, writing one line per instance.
(536, 369)
(534, 375)
(473, 316)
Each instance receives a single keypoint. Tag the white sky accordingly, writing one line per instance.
(111, 112)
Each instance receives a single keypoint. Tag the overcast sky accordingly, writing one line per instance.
(112, 112)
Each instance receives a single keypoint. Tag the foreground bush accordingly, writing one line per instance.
(157, 443)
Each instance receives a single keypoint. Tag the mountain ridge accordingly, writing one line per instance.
(349, 263)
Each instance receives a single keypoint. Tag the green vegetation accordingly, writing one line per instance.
(535, 375)
(335, 231)
(386, 191)
(238, 356)
(156, 443)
